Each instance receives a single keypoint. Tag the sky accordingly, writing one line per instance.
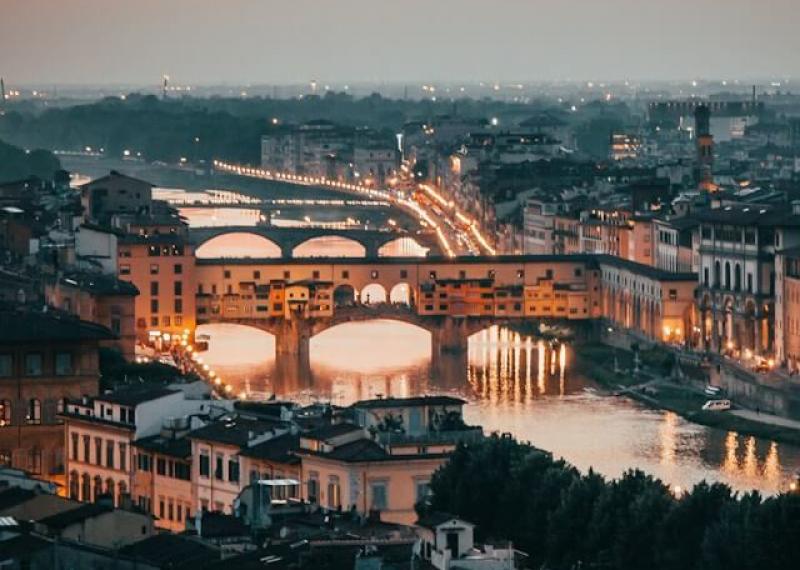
(294, 41)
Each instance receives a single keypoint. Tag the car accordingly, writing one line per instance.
(717, 405)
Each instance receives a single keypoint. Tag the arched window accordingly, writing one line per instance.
(727, 275)
(5, 413)
(34, 411)
(716, 274)
(737, 278)
(98, 486)
(74, 485)
(86, 488)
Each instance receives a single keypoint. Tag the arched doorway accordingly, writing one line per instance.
(373, 294)
(400, 294)
(344, 296)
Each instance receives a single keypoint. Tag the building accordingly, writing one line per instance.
(375, 163)
(217, 475)
(96, 248)
(539, 226)
(102, 432)
(674, 244)
(45, 359)
(162, 269)
(446, 542)
(101, 299)
(737, 281)
(654, 304)
(115, 193)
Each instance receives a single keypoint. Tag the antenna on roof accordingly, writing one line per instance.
(164, 86)
(2, 93)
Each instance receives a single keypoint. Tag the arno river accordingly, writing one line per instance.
(512, 384)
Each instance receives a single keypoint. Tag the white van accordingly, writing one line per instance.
(717, 405)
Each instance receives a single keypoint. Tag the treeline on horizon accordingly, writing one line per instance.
(231, 128)
(565, 520)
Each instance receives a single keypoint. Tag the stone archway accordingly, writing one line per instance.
(401, 294)
(329, 246)
(238, 245)
(373, 294)
(344, 296)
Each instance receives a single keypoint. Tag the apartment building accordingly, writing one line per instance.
(114, 194)
(45, 359)
(161, 267)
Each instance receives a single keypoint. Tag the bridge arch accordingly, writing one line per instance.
(329, 246)
(239, 244)
(373, 294)
(401, 294)
(344, 296)
(404, 246)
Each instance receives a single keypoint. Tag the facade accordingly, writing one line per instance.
(161, 267)
(656, 304)
(45, 359)
(738, 281)
(445, 541)
(674, 244)
(115, 194)
(101, 299)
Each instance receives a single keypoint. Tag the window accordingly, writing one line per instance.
(334, 493)
(123, 457)
(86, 447)
(287, 274)
(5, 365)
(182, 471)
(154, 288)
(423, 490)
(233, 470)
(5, 413)
(161, 466)
(154, 306)
(313, 490)
(218, 467)
(379, 494)
(205, 464)
(33, 364)
(35, 461)
(143, 462)
(124, 269)
(373, 274)
(345, 274)
(673, 294)
(178, 269)
(403, 274)
(432, 275)
(98, 451)
(110, 454)
(315, 274)
(153, 269)
(34, 411)
(227, 274)
(63, 363)
(73, 449)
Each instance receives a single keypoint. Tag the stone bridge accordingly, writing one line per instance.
(288, 239)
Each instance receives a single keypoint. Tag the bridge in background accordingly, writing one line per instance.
(288, 239)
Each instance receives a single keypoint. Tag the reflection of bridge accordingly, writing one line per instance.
(449, 335)
(288, 239)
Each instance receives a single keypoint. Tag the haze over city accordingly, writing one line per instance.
(419, 285)
(254, 41)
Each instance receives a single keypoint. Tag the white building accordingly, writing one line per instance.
(446, 542)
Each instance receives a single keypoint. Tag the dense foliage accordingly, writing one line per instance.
(16, 164)
(564, 519)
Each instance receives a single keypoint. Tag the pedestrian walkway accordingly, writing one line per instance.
(766, 418)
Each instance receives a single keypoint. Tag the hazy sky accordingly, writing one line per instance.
(283, 41)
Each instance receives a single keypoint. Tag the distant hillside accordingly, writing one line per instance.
(16, 164)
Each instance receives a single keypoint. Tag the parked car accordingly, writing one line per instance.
(717, 405)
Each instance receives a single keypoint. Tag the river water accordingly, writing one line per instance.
(512, 384)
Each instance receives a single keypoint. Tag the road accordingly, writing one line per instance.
(456, 233)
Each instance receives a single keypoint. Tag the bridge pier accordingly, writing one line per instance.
(450, 337)
(292, 344)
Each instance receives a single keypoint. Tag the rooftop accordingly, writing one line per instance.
(137, 395)
(171, 551)
(236, 431)
(99, 284)
(179, 447)
(278, 449)
(332, 430)
(26, 324)
(77, 515)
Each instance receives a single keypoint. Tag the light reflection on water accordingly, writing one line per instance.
(513, 384)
